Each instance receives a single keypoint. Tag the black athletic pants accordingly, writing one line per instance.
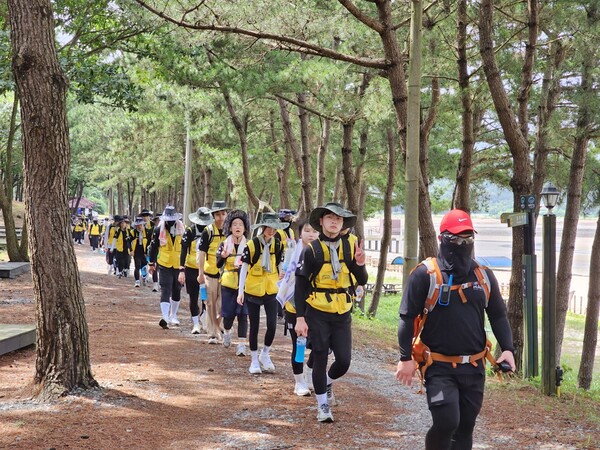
(170, 289)
(193, 289)
(139, 261)
(454, 402)
(270, 304)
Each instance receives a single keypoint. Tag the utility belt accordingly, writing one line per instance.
(329, 291)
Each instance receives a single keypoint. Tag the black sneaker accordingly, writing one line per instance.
(163, 324)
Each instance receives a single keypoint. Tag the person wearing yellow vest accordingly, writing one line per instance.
(164, 256)
(229, 260)
(208, 272)
(258, 286)
(139, 243)
(323, 301)
(188, 267)
(107, 242)
(78, 230)
(288, 239)
(285, 297)
(94, 233)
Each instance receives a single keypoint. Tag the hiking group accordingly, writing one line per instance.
(231, 269)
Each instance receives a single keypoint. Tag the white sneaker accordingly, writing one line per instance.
(173, 320)
(202, 319)
(265, 362)
(330, 397)
(155, 287)
(137, 283)
(324, 414)
(301, 389)
(254, 368)
(196, 329)
(226, 340)
(241, 350)
(308, 378)
(213, 340)
(109, 271)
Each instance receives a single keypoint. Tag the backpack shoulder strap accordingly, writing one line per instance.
(256, 255)
(435, 282)
(317, 250)
(484, 281)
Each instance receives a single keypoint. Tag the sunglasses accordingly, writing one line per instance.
(448, 238)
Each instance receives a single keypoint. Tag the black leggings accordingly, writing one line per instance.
(454, 402)
(242, 324)
(121, 259)
(139, 261)
(329, 331)
(193, 289)
(270, 304)
(170, 289)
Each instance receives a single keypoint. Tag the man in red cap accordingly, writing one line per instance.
(454, 335)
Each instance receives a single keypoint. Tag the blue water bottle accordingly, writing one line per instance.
(203, 292)
(300, 349)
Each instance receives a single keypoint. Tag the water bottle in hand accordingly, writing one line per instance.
(300, 349)
(203, 296)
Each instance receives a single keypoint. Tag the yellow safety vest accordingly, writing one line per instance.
(258, 282)
(331, 295)
(210, 262)
(284, 237)
(168, 255)
(95, 229)
(190, 259)
(231, 275)
(120, 244)
(135, 240)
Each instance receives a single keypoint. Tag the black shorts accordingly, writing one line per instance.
(229, 306)
(324, 327)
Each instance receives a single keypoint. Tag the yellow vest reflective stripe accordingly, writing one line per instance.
(331, 295)
(168, 254)
(210, 263)
(258, 282)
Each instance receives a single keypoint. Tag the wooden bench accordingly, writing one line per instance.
(14, 337)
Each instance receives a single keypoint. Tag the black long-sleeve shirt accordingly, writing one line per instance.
(458, 328)
(309, 267)
(189, 239)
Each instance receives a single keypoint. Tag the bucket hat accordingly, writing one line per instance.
(117, 218)
(271, 220)
(331, 207)
(202, 216)
(170, 213)
(218, 205)
(139, 221)
(145, 213)
(456, 221)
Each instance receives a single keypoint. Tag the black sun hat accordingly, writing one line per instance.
(218, 205)
(334, 208)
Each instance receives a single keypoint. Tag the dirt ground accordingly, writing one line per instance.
(170, 389)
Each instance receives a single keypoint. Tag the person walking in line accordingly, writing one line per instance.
(208, 272)
(164, 255)
(463, 292)
(323, 300)
(94, 233)
(151, 225)
(108, 243)
(188, 266)
(139, 243)
(285, 297)
(121, 247)
(258, 286)
(229, 260)
(288, 239)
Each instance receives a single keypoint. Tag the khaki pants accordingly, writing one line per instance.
(213, 306)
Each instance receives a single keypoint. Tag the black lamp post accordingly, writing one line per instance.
(549, 198)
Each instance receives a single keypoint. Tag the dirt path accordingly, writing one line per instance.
(169, 389)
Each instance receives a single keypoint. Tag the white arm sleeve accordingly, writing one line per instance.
(243, 275)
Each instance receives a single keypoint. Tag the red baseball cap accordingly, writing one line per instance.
(456, 221)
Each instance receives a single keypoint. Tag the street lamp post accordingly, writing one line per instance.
(549, 198)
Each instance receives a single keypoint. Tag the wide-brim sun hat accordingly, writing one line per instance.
(218, 205)
(202, 216)
(139, 221)
(334, 208)
(170, 214)
(117, 218)
(145, 213)
(270, 220)
(456, 221)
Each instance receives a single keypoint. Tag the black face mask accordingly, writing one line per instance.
(456, 260)
(169, 224)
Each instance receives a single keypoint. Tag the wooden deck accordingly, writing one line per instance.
(13, 269)
(14, 337)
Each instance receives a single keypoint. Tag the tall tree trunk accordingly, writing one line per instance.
(306, 153)
(321, 153)
(338, 187)
(590, 334)
(208, 198)
(241, 131)
(62, 350)
(387, 222)
(120, 199)
(292, 144)
(427, 237)
(347, 166)
(78, 196)
(283, 174)
(462, 198)
(578, 160)
(13, 249)
(521, 178)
